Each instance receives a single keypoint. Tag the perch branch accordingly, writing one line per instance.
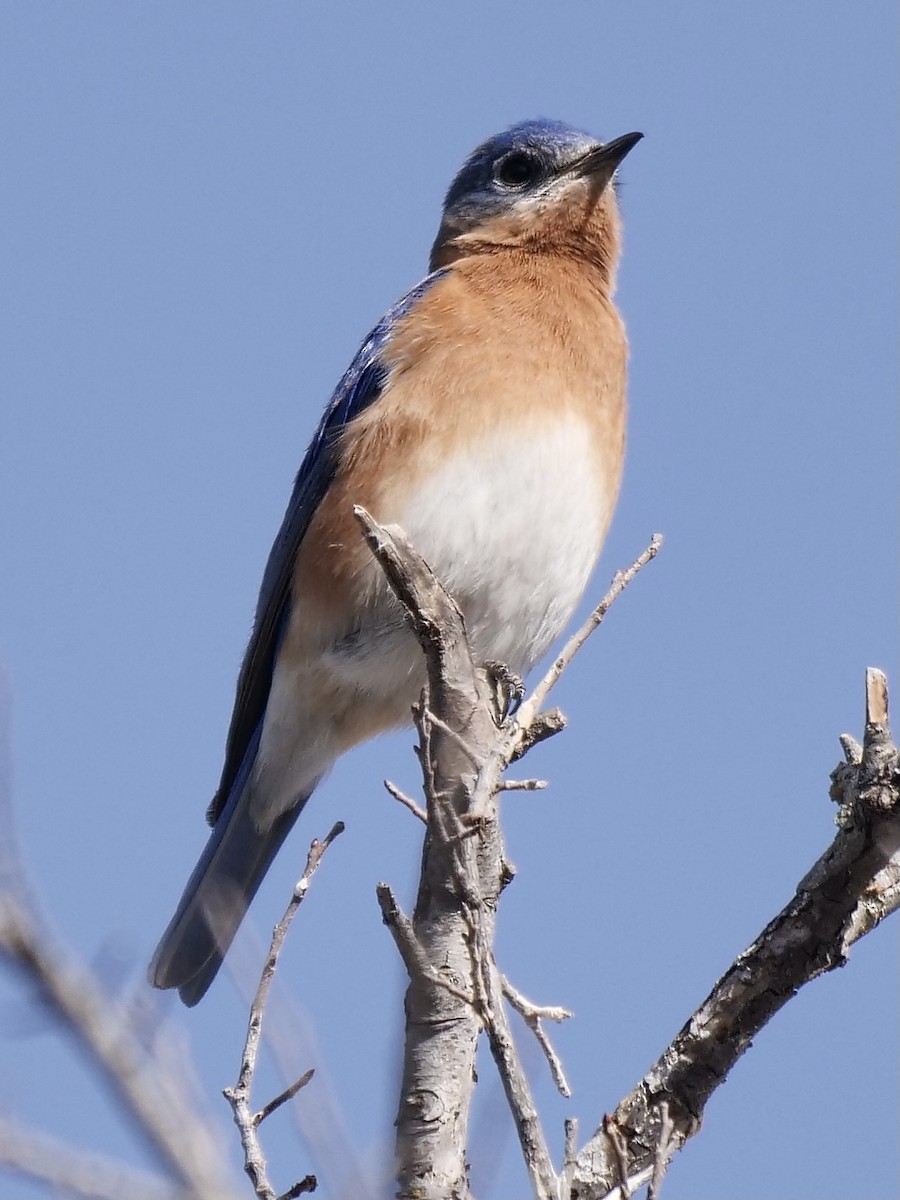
(459, 884)
(467, 740)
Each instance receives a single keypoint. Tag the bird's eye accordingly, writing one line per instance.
(517, 169)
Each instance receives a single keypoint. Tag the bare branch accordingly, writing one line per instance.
(570, 1150)
(467, 739)
(532, 1015)
(239, 1096)
(515, 1084)
(307, 1184)
(620, 582)
(850, 890)
(406, 801)
(283, 1097)
(462, 876)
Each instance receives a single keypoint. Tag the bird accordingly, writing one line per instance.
(485, 414)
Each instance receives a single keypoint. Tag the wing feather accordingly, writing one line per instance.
(361, 385)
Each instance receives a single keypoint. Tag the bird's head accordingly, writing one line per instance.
(539, 187)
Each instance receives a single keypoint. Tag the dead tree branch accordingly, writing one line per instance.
(459, 886)
(850, 889)
(467, 740)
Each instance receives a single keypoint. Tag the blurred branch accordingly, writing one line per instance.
(848, 892)
(103, 1026)
(160, 1111)
(69, 1169)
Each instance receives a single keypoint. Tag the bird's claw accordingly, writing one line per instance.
(507, 690)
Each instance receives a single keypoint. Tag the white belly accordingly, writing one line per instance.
(513, 529)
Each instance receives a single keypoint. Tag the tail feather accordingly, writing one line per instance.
(217, 897)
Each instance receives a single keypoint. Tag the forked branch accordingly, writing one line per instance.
(851, 889)
(467, 740)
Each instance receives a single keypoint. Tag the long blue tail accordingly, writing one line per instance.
(217, 896)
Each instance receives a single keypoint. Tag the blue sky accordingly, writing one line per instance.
(205, 208)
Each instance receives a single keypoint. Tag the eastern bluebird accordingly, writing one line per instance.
(485, 414)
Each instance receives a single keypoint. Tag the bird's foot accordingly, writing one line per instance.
(507, 690)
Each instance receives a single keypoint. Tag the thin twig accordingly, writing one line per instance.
(458, 740)
(530, 725)
(532, 1015)
(414, 957)
(282, 1098)
(424, 755)
(523, 785)
(444, 821)
(239, 1095)
(289, 1043)
(489, 994)
(306, 1184)
(621, 580)
(406, 801)
(570, 1154)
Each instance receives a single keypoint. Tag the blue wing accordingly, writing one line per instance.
(360, 386)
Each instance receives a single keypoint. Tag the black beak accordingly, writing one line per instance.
(601, 162)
